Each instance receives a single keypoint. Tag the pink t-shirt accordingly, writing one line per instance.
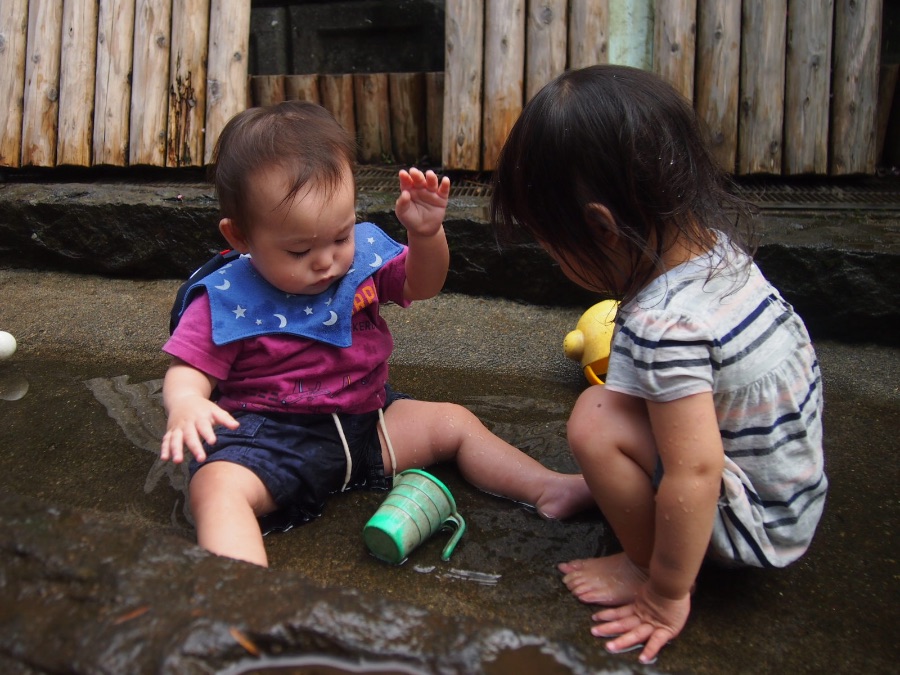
(284, 373)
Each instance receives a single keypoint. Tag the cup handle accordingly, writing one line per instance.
(454, 540)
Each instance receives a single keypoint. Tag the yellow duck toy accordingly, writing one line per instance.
(591, 340)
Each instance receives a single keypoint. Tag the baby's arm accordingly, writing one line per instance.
(191, 414)
(420, 209)
(690, 446)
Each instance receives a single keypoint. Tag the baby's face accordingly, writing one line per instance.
(304, 245)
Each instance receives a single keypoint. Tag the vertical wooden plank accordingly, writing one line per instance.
(112, 98)
(546, 40)
(302, 88)
(337, 98)
(373, 117)
(13, 34)
(857, 45)
(76, 82)
(434, 113)
(463, 76)
(266, 89)
(187, 83)
(40, 113)
(504, 71)
(887, 88)
(588, 42)
(407, 113)
(150, 81)
(761, 119)
(631, 32)
(807, 86)
(674, 44)
(718, 75)
(227, 87)
(891, 153)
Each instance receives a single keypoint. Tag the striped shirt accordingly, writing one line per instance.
(733, 334)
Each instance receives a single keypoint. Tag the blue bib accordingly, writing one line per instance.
(244, 305)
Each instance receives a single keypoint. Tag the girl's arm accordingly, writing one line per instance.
(690, 446)
(420, 209)
(191, 415)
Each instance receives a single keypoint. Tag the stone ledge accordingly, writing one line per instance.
(100, 593)
(839, 268)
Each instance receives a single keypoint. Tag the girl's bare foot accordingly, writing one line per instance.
(564, 497)
(612, 580)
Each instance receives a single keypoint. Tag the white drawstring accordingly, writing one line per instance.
(387, 440)
(347, 474)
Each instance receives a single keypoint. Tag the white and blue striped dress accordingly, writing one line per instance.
(734, 335)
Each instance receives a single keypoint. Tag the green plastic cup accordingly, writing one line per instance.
(417, 507)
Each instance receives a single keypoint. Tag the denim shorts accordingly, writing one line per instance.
(300, 458)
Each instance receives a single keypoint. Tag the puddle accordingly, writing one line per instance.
(528, 660)
(86, 436)
(318, 665)
(89, 437)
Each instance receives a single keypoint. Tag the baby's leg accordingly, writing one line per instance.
(424, 433)
(226, 499)
(611, 438)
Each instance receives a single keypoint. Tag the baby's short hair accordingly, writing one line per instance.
(300, 137)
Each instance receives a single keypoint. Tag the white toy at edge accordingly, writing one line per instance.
(7, 345)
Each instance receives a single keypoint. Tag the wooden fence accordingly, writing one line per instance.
(119, 82)
(397, 117)
(785, 86)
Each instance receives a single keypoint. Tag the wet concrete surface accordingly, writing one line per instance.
(129, 552)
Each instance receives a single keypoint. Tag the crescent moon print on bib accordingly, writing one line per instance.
(243, 304)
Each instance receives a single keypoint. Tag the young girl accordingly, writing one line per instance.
(278, 381)
(706, 440)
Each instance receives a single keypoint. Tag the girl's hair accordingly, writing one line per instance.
(301, 138)
(622, 138)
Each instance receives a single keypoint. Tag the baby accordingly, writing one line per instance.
(278, 385)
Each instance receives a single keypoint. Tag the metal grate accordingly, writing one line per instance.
(869, 194)
(384, 179)
(865, 194)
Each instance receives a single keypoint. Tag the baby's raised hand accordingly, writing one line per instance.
(422, 202)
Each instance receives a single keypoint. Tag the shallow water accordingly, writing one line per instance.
(87, 436)
(70, 421)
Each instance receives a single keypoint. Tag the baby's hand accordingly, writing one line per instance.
(422, 202)
(189, 425)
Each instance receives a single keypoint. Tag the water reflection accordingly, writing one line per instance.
(137, 409)
(13, 386)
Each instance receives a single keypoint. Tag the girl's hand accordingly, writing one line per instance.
(190, 423)
(422, 202)
(651, 620)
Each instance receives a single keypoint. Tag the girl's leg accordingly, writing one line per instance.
(424, 433)
(611, 438)
(226, 499)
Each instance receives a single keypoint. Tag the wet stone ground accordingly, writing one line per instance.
(98, 572)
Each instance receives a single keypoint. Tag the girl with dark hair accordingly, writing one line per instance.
(705, 442)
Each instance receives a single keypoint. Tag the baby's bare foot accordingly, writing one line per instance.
(612, 580)
(564, 497)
